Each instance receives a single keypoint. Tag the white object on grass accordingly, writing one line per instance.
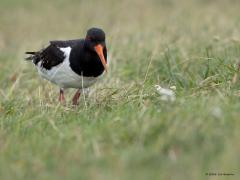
(166, 94)
(173, 88)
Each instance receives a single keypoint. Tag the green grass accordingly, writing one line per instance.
(122, 129)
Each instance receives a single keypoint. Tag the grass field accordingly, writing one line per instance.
(122, 129)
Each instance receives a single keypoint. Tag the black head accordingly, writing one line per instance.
(96, 35)
(95, 41)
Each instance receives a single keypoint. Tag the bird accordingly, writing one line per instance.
(76, 63)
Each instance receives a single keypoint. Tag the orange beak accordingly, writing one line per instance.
(99, 50)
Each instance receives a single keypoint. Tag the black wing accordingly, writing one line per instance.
(69, 43)
(49, 56)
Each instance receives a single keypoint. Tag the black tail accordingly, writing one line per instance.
(29, 58)
(29, 52)
(34, 56)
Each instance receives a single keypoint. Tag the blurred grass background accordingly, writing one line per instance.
(123, 130)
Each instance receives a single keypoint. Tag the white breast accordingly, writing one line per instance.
(64, 76)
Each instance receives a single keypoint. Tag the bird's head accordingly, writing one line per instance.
(95, 41)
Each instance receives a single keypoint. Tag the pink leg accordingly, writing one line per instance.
(61, 96)
(76, 97)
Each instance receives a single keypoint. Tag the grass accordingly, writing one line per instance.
(122, 130)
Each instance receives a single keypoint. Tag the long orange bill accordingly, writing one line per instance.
(99, 50)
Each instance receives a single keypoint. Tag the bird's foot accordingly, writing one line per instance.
(75, 98)
(61, 97)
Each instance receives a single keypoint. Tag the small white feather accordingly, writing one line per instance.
(166, 94)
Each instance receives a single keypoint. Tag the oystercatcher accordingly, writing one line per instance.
(73, 63)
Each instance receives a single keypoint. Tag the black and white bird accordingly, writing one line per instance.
(73, 63)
